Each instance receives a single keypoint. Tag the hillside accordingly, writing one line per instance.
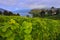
(24, 28)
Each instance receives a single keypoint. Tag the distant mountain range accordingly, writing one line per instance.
(2, 10)
(22, 12)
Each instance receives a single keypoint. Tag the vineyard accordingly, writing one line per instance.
(24, 28)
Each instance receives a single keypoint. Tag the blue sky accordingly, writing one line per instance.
(27, 4)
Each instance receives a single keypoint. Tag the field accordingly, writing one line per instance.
(24, 28)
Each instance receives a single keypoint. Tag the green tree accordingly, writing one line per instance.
(42, 13)
(35, 12)
(5, 13)
(10, 13)
(27, 15)
(18, 14)
(57, 11)
(52, 7)
(0, 13)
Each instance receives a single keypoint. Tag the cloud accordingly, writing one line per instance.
(29, 3)
(18, 2)
(8, 2)
(37, 6)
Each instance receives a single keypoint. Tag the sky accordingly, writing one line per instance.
(27, 4)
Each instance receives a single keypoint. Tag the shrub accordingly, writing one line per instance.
(23, 28)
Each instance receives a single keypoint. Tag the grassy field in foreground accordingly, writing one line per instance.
(24, 28)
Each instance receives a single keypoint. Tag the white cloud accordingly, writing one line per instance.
(29, 3)
(37, 6)
(8, 2)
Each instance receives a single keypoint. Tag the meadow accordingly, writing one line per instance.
(25, 28)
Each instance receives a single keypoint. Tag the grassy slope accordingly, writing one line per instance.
(46, 29)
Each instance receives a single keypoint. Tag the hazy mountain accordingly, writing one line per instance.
(25, 12)
(2, 10)
(22, 12)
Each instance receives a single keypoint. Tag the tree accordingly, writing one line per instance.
(10, 13)
(5, 13)
(0, 13)
(18, 14)
(27, 15)
(57, 11)
(35, 12)
(49, 13)
(14, 14)
(42, 13)
(52, 7)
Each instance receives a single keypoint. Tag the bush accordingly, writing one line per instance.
(23, 28)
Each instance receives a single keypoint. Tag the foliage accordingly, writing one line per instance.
(35, 12)
(0, 13)
(45, 12)
(8, 13)
(23, 28)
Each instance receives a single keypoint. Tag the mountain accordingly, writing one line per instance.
(2, 10)
(25, 12)
(22, 12)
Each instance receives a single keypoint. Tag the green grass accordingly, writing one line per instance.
(24, 28)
